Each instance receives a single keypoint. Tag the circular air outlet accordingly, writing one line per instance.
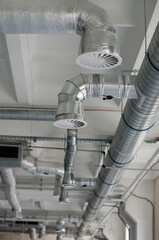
(70, 123)
(99, 60)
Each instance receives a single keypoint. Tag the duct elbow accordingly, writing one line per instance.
(70, 113)
(98, 48)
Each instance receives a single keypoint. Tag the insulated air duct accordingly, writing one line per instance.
(27, 115)
(98, 48)
(138, 117)
(36, 168)
(70, 113)
(10, 190)
(32, 233)
(42, 231)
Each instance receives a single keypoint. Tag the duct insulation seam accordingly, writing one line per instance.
(70, 113)
(138, 117)
(98, 48)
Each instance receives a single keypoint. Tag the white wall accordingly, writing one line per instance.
(114, 228)
(140, 209)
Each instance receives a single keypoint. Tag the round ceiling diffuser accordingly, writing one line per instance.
(99, 60)
(70, 123)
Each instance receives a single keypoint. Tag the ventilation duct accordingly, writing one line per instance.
(70, 113)
(98, 48)
(10, 190)
(42, 231)
(32, 233)
(27, 115)
(129, 221)
(138, 117)
(114, 85)
(64, 197)
(60, 226)
(68, 179)
(36, 168)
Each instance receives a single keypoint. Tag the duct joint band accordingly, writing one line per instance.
(90, 212)
(109, 184)
(93, 207)
(148, 57)
(101, 197)
(121, 164)
(137, 130)
(86, 219)
(75, 86)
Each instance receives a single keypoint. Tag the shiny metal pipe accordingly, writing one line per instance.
(68, 179)
(129, 221)
(138, 117)
(90, 86)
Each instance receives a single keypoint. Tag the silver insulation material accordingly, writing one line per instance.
(10, 190)
(68, 179)
(32, 115)
(138, 117)
(61, 17)
(52, 17)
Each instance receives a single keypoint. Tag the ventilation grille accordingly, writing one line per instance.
(70, 123)
(99, 60)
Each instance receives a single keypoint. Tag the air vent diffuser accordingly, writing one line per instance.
(99, 60)
(70, 123)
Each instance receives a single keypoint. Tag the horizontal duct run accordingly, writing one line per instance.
(70, 112)
(98, 48)
(27, 115)
(55, 139)
(138, 117)
(112, 86)
(41, 169)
